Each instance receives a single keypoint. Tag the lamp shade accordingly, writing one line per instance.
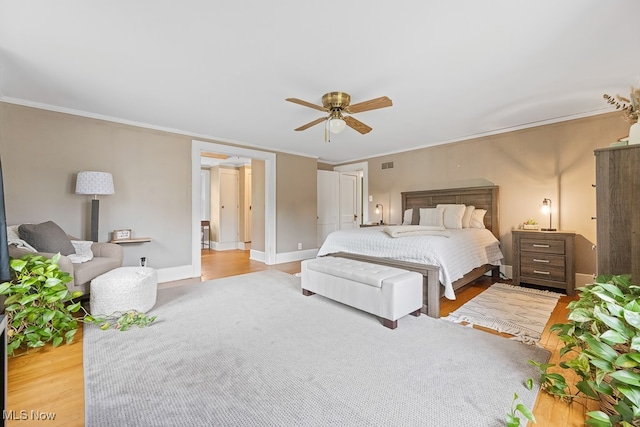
(90, 182)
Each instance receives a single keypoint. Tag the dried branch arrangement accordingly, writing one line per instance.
(629, 106)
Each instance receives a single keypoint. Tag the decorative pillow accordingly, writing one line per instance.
(432, 217)
(408, 216)
(452, 215)
(83, 251)
(466, 218)
(477, 218)
(46, 237)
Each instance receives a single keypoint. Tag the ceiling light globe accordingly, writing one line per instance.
(337, 125)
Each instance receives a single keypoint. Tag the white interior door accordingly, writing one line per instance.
(328, 204)
(229, 208)
(348, 201)
(205, 194)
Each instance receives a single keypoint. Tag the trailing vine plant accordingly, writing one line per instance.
(41, 309)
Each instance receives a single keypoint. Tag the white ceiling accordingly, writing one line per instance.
(454, 69)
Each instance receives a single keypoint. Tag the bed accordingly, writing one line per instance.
(434, 260)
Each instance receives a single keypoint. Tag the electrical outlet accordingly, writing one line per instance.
(143, 261)
(299, 246)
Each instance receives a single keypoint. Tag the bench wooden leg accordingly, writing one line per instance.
(307, 293)
(391, 324)
(416, 313)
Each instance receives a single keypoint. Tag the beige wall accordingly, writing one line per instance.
(42, 151)
(297, 200)
(554, 161)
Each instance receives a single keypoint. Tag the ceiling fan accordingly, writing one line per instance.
(337, 103)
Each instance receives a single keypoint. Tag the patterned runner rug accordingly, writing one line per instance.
(516, 310)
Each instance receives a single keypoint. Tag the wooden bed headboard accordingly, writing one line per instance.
(480, 197)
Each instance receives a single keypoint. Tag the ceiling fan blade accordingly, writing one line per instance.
(313, 123)
(357, 125)
(372, 104)
(306, 104)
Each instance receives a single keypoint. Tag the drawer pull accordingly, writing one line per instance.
(541, 260)
(541, 272)
(536, 245)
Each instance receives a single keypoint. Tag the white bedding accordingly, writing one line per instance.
(459, 253)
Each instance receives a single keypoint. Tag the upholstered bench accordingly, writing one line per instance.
(124, 289)
(387, 292)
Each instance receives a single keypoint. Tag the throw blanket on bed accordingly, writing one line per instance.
(455, 256)
(415, 230)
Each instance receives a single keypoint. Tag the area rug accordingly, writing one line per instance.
(516, 310)
(251, 350)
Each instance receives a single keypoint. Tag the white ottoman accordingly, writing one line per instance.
(124, 289)
(388, 292)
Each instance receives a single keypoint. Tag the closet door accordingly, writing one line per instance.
(617, 210)
(348, 201)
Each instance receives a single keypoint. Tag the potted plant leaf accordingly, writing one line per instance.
(41, 309)
(602, 346)
(38, 304)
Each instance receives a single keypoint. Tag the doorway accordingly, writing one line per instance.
(226, 201)
(267, 255)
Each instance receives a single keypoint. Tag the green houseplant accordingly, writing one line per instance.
(40, 308)
(602, 346)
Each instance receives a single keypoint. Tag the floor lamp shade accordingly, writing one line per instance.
(94, 183)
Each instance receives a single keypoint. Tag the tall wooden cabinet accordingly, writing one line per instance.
(618, 210)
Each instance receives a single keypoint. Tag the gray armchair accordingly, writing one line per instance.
(106, 257)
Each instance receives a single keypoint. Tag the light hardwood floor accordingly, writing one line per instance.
(51, 381)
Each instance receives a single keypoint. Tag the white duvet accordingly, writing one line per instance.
(456, 254)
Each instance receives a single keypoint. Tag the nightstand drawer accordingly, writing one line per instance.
(546, 272)
(541, 261)
(547, 246)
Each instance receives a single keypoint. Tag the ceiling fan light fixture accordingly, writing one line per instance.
(337, 125)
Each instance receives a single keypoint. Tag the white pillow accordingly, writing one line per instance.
(477, 218)
(408, 216)
(466, 218)
(452, 215)
(13, 238)
(432, 217)
(12, 232)
(83, 251)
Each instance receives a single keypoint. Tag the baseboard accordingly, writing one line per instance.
(228, 246)
(170, 274)
(257, 255)
(296, 256)
(584, 279)
(507, 271)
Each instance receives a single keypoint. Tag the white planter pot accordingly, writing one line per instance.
(634, 133)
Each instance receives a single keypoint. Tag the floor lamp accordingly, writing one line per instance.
(94, 183)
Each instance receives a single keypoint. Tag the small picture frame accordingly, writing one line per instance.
(122, 234)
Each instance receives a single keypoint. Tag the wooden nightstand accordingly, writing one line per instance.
(544, 258)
